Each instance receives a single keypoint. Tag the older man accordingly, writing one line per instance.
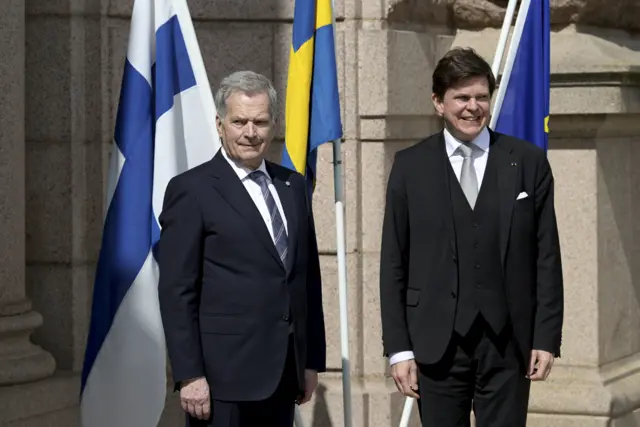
(240, 291)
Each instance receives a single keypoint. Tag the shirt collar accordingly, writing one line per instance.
(243, 171)
(482, 141)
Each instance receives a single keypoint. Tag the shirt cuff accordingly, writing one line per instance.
(400, 357)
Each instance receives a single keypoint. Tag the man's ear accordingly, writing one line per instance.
(437, 103)
(218, 124)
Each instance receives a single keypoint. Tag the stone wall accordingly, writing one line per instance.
(60, 76)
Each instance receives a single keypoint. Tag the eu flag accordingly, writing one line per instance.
(525, 110)
(312, 107)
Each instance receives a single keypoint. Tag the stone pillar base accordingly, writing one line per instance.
(55, 402)
(574, 396)
(50, 402)
(20, 360)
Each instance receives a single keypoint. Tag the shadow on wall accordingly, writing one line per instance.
(619, 197)
(321, 416)
(618, 194)
(615, 36)
(618, 210)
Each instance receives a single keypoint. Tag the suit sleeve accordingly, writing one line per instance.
(316, 339)
(394, 264)
(547, 334)
(180, 263)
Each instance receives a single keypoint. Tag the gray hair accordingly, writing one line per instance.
(247, 82)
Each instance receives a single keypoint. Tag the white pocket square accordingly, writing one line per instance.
(522, 195)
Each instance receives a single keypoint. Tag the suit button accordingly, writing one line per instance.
(285, 317)
(477, 266)
(475, 225)
(475, 245)
(453, 295)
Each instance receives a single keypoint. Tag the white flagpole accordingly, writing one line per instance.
(406, 412)
(342, 283)
(342, 263)
(511, 57)
(497, 61)
(504, 34)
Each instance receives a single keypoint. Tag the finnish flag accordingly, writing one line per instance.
(165, 125)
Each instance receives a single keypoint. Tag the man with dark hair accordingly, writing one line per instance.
(470, 273)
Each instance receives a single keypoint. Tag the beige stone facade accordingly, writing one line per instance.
(60, 70)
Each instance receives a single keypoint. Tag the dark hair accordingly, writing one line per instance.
(460, 64)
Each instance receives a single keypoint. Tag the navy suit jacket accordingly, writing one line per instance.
(226, 299)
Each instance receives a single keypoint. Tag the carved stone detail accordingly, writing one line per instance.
(478, 14)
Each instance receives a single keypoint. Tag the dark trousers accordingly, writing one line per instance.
(481, 370)
(275, 411)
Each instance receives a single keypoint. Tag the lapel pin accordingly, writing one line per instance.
(287, 183)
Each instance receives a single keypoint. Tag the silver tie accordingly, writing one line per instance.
(468, 178)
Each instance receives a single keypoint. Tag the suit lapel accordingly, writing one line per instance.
(233, 191)
(286, 197)
(507, 166)
(437, 170)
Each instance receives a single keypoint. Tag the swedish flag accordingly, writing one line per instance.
(312, 104)
(525, 109)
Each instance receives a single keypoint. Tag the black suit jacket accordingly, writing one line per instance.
(418, 265)
(225, 297)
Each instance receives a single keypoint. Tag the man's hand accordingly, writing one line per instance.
(405, 374)
(310, 384)
(194, 397)
(540, 365)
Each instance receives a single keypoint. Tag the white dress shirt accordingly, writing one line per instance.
(253, 188)
(480, 157)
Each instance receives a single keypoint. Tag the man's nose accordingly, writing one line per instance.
(472, 105)
(250, 130)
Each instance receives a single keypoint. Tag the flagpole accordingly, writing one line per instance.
(406, 412)
(338, 186)
(511, 57)
(342, 282)
(504, 34)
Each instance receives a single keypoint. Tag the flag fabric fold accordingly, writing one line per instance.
(165, 125)
(312, 100)
(524, 112)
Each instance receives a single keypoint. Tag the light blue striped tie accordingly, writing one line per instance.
(279, 232)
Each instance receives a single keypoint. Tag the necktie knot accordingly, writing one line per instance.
(258, 176)
(261, 179)
(466, 150)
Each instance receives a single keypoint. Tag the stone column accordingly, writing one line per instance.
(20, 360)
